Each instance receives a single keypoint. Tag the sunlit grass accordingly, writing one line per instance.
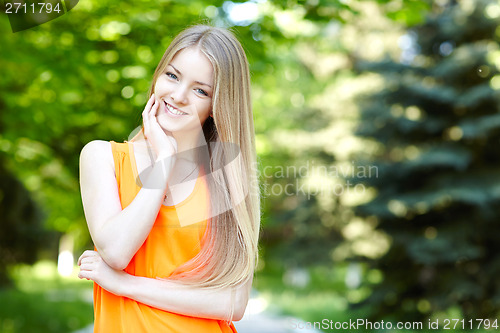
(45, 302)
(324, 299)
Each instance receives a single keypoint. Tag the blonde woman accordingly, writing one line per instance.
(174, 213)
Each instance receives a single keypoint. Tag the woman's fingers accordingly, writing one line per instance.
(89, 258)
(150, 101)
(148, 106)
(162, 143)
(84, 275)
(81, 257)
(154, 125)
(152, 118)
(148, 121)
(145, 114)
(149, 116)
(86, 269)
(87, 266)
(153, 110)
(87, 254)
(88, 263)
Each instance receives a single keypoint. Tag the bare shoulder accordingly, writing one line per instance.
(98, 186)
(97, 152)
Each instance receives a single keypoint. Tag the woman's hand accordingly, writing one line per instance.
(164, 145)
(93, 267)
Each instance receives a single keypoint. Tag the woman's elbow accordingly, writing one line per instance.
(118, 265)
(238, 315)
(240, 307)
(115, 260)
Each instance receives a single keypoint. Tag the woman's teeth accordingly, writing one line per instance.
(174, 111)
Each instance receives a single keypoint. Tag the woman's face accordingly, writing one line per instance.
(184, 92)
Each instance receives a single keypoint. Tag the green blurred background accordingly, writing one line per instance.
(378, 135)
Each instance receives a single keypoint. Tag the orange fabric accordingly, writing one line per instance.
(168, 246)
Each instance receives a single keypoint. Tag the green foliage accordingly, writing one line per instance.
(300, 237)
(45, 315)
(323, 297)
(43, 302)
(437, 195)
(22, 233)
(409, 12)
(81, 77)
(85, 76)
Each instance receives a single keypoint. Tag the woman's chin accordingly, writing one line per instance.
(168, 129)
(166, 124)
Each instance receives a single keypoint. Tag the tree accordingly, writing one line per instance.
(437, 125)
(21, 223)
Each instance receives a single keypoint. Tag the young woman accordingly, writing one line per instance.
(174, 213)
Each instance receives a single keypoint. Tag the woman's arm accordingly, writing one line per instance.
(198, 302)
(166, 295)
(117, 234)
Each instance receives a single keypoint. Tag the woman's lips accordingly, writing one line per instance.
(174, 112)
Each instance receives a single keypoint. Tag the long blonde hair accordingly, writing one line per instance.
(229, 251)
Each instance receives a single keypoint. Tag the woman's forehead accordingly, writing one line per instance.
(194, 64)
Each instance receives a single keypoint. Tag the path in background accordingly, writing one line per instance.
(259, 318)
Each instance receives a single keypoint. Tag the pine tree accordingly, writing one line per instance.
(437, 121)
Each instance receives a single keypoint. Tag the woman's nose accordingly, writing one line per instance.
(179, 95)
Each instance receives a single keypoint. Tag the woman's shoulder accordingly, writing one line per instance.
(96, 147)
(101, 147)
(97, 151)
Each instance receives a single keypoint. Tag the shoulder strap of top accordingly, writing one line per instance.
(124, 171)
(119, 150)
(119, 147)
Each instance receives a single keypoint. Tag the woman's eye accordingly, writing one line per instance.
(171, 75)
(201, 91)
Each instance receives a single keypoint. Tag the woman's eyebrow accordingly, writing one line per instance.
(199, 82)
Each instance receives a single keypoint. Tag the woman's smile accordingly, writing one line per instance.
(173, 111)
(185, 87)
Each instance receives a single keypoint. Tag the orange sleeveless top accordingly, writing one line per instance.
(168, 245)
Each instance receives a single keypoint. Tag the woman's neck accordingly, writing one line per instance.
(189, 144)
